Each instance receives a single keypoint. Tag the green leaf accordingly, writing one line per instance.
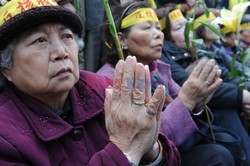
(247, 74)
(234, 73)
(197, 41)
(241, 85)
(212, 28)
(187, 31)
(241, 82)
(245, 57)
(206, 53)
(242, 79)
(233, 61)
(112, 28)
(205, 8)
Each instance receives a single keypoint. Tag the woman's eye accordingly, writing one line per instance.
(68, 36)
(158, 27)
(40, 40)
(178, 28)
(147, 27)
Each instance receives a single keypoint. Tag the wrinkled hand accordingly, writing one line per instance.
(132, 115)
(246, 105)
(201, 84)
(246, 111)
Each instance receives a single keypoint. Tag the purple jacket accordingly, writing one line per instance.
(176, 122)
(31, 134)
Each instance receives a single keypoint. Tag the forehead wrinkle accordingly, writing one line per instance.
(43, 29)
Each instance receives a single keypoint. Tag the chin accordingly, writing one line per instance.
(64, 87)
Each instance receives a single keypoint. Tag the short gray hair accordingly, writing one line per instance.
(7, 52)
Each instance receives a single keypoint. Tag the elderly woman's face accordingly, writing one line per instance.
(45, 61)
(210, 35)
(145, 40)
(245, 35)
(230, 39)
(177, 33)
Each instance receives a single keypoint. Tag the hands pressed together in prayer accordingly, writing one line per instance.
(246, 106)
(132, 115)
(201, 84)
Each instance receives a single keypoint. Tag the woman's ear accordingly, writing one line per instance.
(123, 40)
(7, 74)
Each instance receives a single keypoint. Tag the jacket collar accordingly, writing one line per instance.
(176, 53)
(86, 103)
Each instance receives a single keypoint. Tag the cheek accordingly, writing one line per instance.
(210, 34)
(177, 36)
(74, 57)
(137, 45)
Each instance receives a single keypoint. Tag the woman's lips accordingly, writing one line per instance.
(63, 72)
(158, 47)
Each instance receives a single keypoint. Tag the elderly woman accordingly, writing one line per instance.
(245, 31)
(143, 38)
(228, 98)
(214, 49)
(50, 115)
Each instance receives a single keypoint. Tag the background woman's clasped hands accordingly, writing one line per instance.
(132, 115)
(201, 84)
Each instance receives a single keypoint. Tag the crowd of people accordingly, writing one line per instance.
(67, 99)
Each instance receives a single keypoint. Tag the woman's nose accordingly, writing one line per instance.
(159, 33)
(58, 51)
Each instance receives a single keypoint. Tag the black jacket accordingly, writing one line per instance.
(227, 95)
(223, 60)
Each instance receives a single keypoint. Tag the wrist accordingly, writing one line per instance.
(190, 104)
(132, 155)
(129, 159)
(152, 154)
(156, 159)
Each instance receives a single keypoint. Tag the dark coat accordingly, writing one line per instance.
(225, 103)
(223, 60)
(179, 59)
(31, 134)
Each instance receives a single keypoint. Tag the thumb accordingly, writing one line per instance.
(157, 101)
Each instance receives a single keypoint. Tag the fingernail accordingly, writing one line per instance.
(146, 67)
(161, 86)
(129, 59)
(204, 59)
(107, 91)
(109, 87)
(134, 58)
(119, 64)
(211, 61)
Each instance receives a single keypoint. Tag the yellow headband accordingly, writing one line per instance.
(15, 7)
(163, 23)
(175, 15)
(139, 16)
(203, 18)
(245, 26)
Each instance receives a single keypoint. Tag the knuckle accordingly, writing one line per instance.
(126, 91)
(138, 97)
(116, 92)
